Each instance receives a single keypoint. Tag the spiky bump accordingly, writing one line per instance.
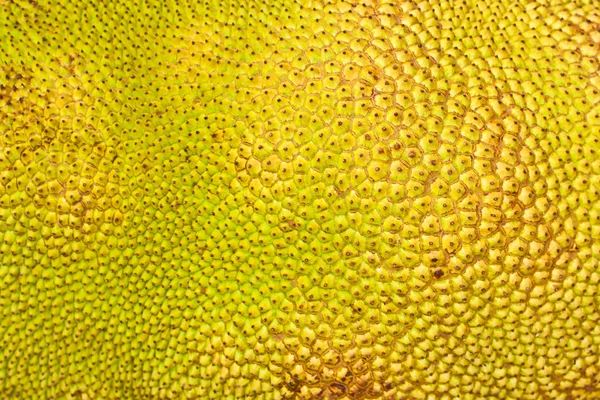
(298, 200)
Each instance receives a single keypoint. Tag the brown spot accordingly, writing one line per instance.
(278, 337)
(337, 388)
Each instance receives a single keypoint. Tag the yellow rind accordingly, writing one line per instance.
(299, 200)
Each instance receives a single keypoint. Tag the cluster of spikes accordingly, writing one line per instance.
(300, 200)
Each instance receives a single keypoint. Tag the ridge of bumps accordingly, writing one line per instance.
(299, 199)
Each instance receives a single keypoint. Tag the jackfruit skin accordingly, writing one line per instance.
(299, 200)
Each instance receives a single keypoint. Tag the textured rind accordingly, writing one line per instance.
(299, 200)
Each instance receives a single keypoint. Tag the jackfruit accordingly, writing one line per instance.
(313, 199)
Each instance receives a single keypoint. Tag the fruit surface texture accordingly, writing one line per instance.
(300, 199)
